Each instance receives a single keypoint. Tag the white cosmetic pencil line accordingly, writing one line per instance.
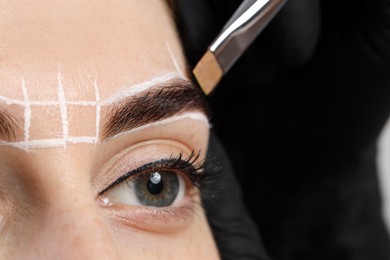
(174, 60)
(97, 98)
(49, 143)
(62, 103)
(27, 112)
(189, 115)
(53, 143)
(122, 94)
(82, 103)
(82, 140)
(10, 101)
(63, 109)
(44, 103)
(139, 88)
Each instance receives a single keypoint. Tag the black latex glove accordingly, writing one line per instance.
(234, 230)
(300, 114)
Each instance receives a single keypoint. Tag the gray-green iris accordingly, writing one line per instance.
(158, 189)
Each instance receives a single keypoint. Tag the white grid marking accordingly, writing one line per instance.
(174, 59)
(138, 88)
(97, 99)
(63, 110)
(27, 112)
(62, 102)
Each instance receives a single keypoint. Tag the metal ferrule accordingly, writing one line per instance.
(243, 27)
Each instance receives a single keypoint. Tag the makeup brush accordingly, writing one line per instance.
(251, 17)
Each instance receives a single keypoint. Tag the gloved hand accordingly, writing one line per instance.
(234, 230)
(300, 114)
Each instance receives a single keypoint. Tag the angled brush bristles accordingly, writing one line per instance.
(208, 72)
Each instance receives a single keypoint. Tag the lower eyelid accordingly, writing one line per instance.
(153, 219)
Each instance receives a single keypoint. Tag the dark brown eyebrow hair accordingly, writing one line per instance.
(154, 105)
(8, 125)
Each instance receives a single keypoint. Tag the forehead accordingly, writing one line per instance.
(79, 44)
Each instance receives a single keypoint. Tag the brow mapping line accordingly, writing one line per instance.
(122, 94)
(63, 108)
(10, 101)
(138, 88)
(50, 143)
(190, 115)
(175, 63)
(97, 100)
(53, 143)
(62, 103)
(82, 140)
(27, 112)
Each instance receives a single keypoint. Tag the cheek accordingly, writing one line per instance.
(195, 242)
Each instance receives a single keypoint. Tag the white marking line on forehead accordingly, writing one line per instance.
(122, 94)
(63, 108)
(53, 143)
(49, 143)
(27, 112)
(10, 101)
(174, 59)
(97, 98)
(62, 102)
(138, 88)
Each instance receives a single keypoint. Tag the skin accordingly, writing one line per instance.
(50, 205)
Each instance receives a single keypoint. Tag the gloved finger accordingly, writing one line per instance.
(233, 228)
(295, 31)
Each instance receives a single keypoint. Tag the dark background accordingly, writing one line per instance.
(299, 115)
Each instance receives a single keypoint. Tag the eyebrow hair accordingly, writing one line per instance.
(154, 105)
(8, 125)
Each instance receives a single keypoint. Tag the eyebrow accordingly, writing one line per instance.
(8, 125)
(154, 105)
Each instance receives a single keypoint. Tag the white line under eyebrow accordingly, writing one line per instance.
(59, 142)
(189, 115)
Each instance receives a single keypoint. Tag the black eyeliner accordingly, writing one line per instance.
(200, 175)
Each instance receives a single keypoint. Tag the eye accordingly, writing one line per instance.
(161, 195)
(161, 183)
(151, 188)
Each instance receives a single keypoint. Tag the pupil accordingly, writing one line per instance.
(155, 188)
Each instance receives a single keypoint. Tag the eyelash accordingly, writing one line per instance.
(203, 175)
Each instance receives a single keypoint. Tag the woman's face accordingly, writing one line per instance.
(100, 131)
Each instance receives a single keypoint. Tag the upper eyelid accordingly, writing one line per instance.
(128, 175)
(156, 164)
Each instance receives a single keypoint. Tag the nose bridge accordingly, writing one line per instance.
(73, 228)
(67, 223)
